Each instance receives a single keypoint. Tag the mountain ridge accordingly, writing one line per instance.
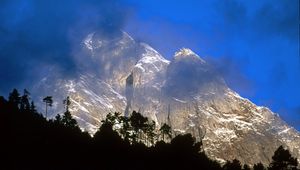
(186, 92)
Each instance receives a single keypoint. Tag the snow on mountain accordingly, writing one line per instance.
(185, 53)
(120, 74)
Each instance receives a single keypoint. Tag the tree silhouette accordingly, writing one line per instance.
(150, 132)
(58, 119)
(14, 98)
(31, 142)
(111, 119)
(126, 128)
(166, 131)
(186, 143)
(67, 103)
(33, 108)
(24, 103)
(69, 121)
(246, 167)
(48, 101)
(138, 123)
(234, 165)
(283, 160)
(259, 166)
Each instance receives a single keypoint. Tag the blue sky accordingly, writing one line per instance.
(254, 44)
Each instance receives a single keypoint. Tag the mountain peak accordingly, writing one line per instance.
(184, 53)
(186, 92)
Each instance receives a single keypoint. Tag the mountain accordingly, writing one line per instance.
(121, 74)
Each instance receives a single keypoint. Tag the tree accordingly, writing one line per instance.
(68, 121)
(166, 131)
(14, 98)
(246, 167)
(186, 143)
(126, 128)
(24, 103)
(283, 160)
(58, 119)
(32, 107)
(138, 123)
(258, 166)
(48, 101)
(67, 103)
(150, 132)
(234, 165)
(112, 119)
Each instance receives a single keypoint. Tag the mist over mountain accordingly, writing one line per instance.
(119, 74)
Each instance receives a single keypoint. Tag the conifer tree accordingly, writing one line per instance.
(67, 119)
(125, 130)
(138, 123)
(246, 167)
(48, 101)
(259, 166)
(24, 103)
(283, 160)
(58, 119)
(32, 108)
(14, 98)
(150, 132)
(165, 131)
(234, 165)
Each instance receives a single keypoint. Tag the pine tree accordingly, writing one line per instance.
(14, 98)
(259, 166)
(234, 165)
(150, 132)
(283, 160)
(125, 130)
(58, 119)
(67, 119)
(32, 108)
(24, 103)
(67, 103)
(138, 123)
(48, 101)
(166, 131)
(246, 167)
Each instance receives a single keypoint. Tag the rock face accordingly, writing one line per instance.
(123, 75)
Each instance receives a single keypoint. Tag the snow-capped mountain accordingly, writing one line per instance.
(120, 74)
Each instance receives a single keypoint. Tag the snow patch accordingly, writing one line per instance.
(70, 86)
(89, 42)
(185, 52)
(284, 131)
(178, 100)
(80, 106)
(225, 134)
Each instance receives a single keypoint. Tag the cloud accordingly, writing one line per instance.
(232, 71)
(279, 19)
(265, 19)
(37, 34)
(188, 76)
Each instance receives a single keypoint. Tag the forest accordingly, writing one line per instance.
(30, 141)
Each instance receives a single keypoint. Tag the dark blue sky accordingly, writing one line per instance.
(254, 44)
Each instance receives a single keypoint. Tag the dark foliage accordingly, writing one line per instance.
(259, 166)
(283, 160)
(233, 165)
(30, 141)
